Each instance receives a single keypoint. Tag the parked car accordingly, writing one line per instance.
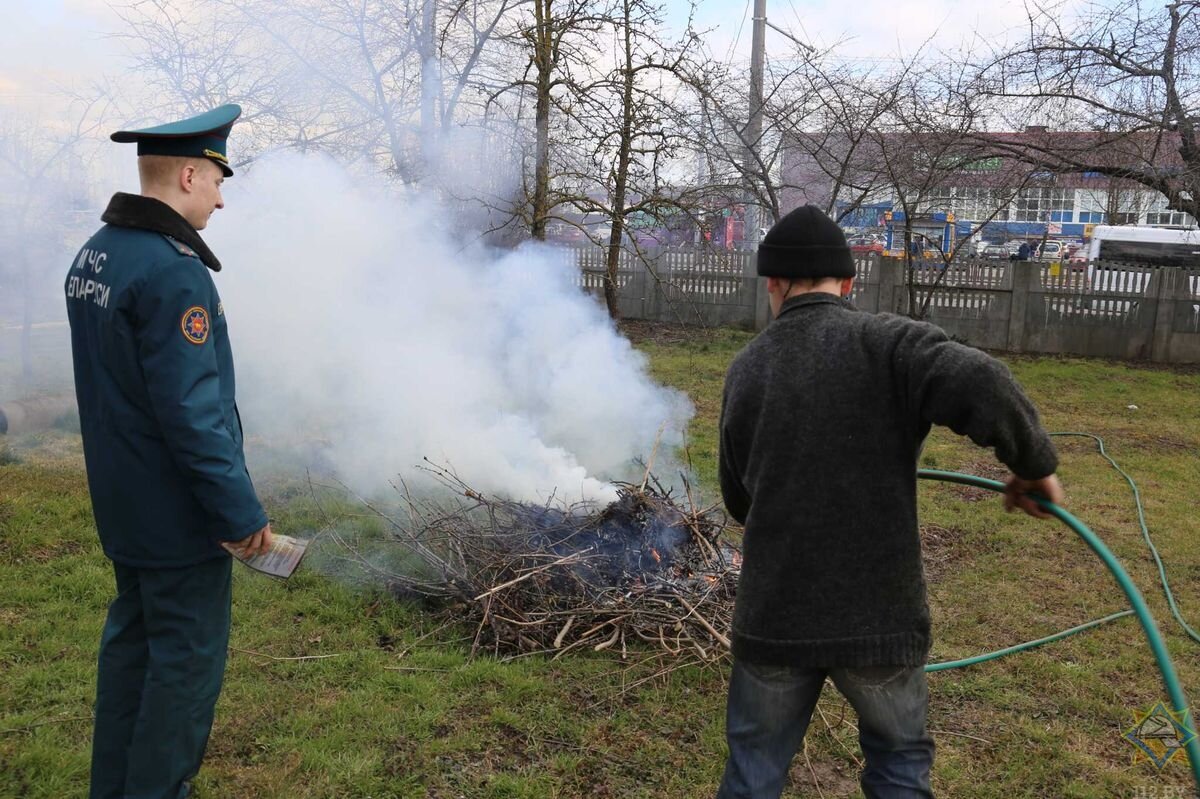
(1078, 260)
(865, 244)
(1050, 251)
(977, 247)
(995, 252)
(1012, 245)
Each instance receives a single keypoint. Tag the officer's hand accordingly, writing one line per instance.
(1017, 491)
(250, 546)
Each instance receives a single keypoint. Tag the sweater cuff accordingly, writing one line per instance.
(248, 530)
(1040, 462)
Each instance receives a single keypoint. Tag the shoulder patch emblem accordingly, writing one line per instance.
(195, 325)
(180, 246)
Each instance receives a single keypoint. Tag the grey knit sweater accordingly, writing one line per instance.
(822, 422)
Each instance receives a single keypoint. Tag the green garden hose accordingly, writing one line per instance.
(1157, 647)
(1137, 501)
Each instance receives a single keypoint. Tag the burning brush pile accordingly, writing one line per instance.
(540, 578)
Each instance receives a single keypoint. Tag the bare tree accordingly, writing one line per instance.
(1127, 77)
(829, 156)
(814, 145)
(192, 62)
(925, 149)
(629, 122)
(738, 163)
(557, 40)
(380, 82)
(44, 168)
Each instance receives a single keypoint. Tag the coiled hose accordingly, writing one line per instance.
(1137, 603)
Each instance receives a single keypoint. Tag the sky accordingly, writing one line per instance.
(866, 29)
(46, 44)
(49, 43)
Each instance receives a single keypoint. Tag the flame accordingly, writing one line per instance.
(657, 557)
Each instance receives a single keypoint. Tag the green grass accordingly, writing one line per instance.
(401, 710)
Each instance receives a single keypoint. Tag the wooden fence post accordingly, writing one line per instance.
(758, 286)
(1026, 276)
(891, 276)
(1168, 283)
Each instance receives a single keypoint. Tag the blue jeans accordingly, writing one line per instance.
(770, 707)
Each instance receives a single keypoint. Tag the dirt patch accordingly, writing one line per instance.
(982, 468)
(825, 776)
(1174, 368)
(1151, 442)
(641, 331)
(55, 551)
(942, 548)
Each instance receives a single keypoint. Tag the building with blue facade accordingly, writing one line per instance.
(993, 197)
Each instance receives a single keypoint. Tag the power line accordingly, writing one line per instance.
(738, 38)
(799, 21)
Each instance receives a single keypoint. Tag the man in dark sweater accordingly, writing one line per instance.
(822, 423)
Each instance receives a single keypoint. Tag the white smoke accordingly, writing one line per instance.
(368, 322)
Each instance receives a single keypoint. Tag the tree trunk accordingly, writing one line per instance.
(26, 326)
(431, 80)
(544, 58)
(621, 178)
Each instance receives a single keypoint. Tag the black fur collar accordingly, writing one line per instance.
(147, 213)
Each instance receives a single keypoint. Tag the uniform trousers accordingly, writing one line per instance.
(162, 660)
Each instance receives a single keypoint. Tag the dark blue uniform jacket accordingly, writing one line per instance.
(154, 379)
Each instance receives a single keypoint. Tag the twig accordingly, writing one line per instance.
(963, 735)
(558, 639)
(653, 452)
(30, 727)
(273, 657)
(812, 771)
(834, 735)
(606, 644)
(572, 558)
(434, 631)
(721, 639)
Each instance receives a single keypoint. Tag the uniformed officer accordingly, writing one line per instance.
(162, 441)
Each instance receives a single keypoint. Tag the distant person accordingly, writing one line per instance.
(1024, 252)
(822, 422)
(162, 442)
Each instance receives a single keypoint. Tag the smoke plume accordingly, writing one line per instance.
(369, 324)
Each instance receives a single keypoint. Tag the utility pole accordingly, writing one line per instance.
(431, 79)
(754, 125)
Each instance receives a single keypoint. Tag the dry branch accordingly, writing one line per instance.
(546, 578)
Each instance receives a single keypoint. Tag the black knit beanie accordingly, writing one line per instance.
(806, 244)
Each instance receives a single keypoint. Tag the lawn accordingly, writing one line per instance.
(335, 690)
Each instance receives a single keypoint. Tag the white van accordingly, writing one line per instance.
(1145, 245)
(1141, 247)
